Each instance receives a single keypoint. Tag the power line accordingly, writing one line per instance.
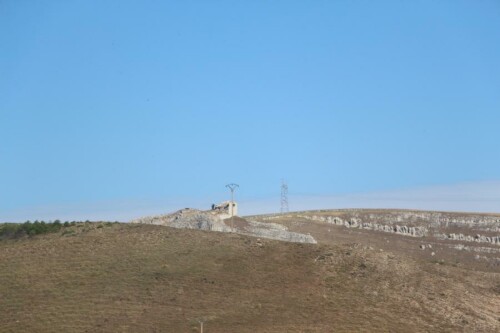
(284, 197)
(232, 187)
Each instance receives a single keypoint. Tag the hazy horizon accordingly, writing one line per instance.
(480, 197)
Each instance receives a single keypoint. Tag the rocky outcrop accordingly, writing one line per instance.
(466, 227)
(475, 235)
(275, 231)
(468, 238)
(207, 220)
(187, 219)
(413, 231)
(487, 222)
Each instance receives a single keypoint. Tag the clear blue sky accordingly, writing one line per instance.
(152, 101)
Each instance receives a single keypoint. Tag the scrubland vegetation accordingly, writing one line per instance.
(30, 229)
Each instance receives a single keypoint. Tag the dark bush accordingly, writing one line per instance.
(14, 230)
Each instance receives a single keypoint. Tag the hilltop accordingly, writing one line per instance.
(103, 277)
(189, 218)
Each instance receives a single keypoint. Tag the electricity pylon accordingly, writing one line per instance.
(232, 187)
(284, 197)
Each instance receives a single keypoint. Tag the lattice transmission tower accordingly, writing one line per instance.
(284, 197)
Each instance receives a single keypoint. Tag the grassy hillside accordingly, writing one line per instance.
(144, 278)
(472, 253)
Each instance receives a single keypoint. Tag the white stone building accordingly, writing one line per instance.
(226, 208)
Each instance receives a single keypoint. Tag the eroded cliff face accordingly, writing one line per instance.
(358, 223)
(456, 238)
(450, 226)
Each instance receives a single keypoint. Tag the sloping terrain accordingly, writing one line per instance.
(190, 218)
(95, 277)
(469, 240)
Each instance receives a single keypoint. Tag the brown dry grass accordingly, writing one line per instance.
(144, 278)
